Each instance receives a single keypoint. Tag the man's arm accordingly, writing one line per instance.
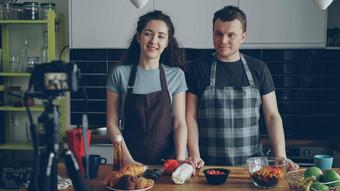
(274, 126)
(193, 134)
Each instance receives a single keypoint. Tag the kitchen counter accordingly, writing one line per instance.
(238, 180)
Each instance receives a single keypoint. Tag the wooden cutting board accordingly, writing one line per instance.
(235, 171)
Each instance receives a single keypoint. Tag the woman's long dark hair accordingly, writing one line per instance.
(172, 54)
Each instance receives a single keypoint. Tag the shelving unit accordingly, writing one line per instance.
(54, 25)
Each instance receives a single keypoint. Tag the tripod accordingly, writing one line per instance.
(44, 176)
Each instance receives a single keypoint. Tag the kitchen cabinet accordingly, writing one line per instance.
(110, 24)
(333, 25)
(193, 19)
(104, 23)
(52, 23)
(271, 23)
(284, 24)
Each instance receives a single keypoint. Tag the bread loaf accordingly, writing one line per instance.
(114, 177)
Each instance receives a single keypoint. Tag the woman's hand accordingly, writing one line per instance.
(292, 165)
(130, 162)
(195, 161)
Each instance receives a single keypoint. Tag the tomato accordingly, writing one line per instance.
(215, 172)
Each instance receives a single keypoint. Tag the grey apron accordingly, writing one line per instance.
(229, 121)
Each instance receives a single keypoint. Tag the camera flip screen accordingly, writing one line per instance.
(56, 81)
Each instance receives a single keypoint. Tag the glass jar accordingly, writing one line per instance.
(46, 7)
(31, 10)
(31, 61)
(15, 96)
(16, 11)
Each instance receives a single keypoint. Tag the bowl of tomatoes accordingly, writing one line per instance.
(216, 176)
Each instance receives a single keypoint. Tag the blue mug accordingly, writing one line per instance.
(324, 162)
(94, 161)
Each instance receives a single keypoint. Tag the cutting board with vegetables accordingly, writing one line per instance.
(235, 171)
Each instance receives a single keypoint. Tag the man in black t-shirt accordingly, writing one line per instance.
(226, 91)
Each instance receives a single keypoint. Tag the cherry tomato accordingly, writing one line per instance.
(222, 173)
(217, 172)
(210, 172)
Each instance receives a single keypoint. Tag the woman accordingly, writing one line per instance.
(147, 91)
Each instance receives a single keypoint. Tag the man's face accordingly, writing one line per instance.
(227, 37)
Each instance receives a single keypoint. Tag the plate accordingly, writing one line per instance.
(110, 188)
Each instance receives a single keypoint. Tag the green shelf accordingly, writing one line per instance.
(55, 28)
(23, 21)
(14, 74)
(16, 146)
(11, 108)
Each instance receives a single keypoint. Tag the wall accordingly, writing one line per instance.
(307, 85)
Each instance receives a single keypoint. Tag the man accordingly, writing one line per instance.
(226, 92)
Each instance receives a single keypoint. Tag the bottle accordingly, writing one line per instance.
(24, 54)
(118, 153)
(31, 61)
(16, 11)
(13, 127)
(1, 94)
(31, 10)
(44, 49)
(5, 10)
(45, 7)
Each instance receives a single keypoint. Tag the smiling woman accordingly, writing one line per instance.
(146, 91)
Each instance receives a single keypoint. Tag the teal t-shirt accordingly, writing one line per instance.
(147, 81)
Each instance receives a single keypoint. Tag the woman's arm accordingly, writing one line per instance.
(113, 104)
(180, 127)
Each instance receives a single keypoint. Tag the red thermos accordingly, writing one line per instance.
(75, 141)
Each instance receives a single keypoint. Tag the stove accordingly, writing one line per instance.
(301, 155)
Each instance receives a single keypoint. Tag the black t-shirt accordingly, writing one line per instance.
(230, 74)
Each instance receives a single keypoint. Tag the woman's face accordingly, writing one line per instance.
(153, 39)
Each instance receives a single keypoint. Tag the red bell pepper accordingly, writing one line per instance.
(170, 166)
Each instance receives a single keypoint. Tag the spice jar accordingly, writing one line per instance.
(31, 61)
(46, 7)
(31, 10)
(16, 11)
(15, 96)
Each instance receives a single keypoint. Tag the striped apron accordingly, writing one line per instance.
(229, 121)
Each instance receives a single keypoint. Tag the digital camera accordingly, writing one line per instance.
(55, 78)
